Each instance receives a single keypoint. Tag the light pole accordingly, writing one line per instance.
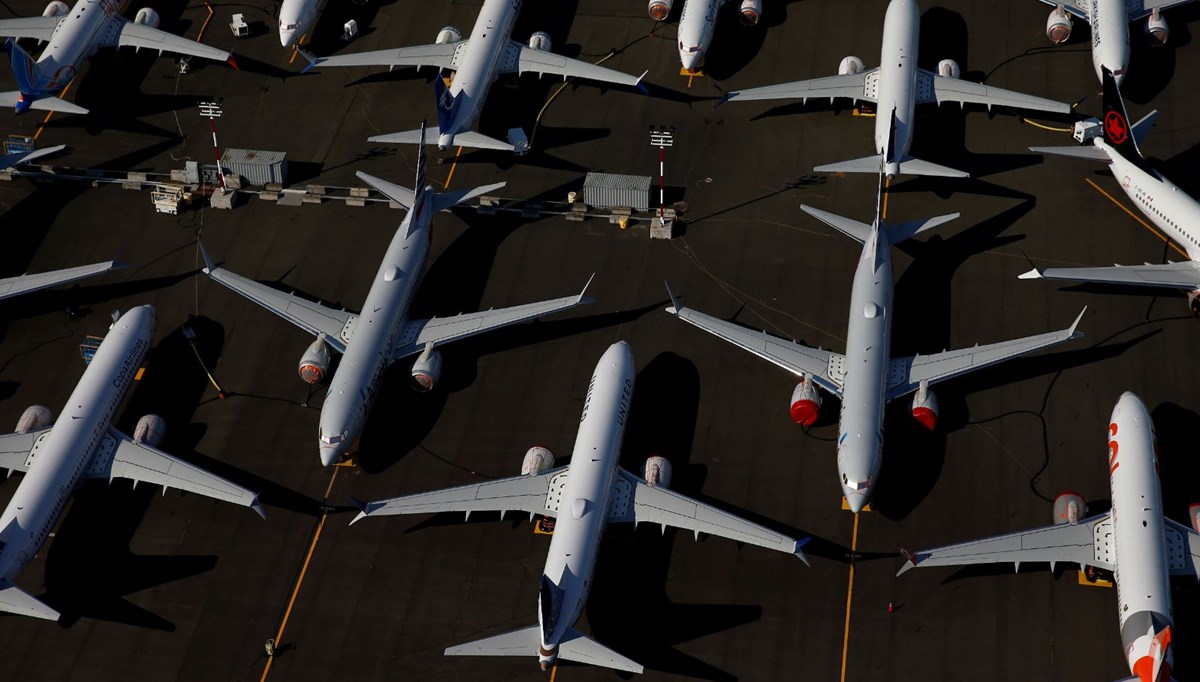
(662, 137)
(213, 111)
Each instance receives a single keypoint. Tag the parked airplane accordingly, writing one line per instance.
(75, 33)
(597, 492)
(698, 21)
(1167, 206)
(84, 445)
(382, 333)
(1110, 27)
(866, 378)
(477, 62)
(895, 91)
(1133, 541)
(297, 19)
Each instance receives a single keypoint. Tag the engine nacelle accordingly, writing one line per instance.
(1058, 26)
(657, 472)
(540, 41)
(659, 9)
(1069, 508)
(850, 65)
(537, 459)
(314, 364)
(806, 402)
(751, 10)
(448, 34)
(146, 17)
(427, 369)
(151, 429)
(1157, 30)
(1194, 513)
(33, 418)
(925, 408)
(948, 68)
(56, 9)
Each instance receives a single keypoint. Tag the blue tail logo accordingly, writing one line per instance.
(447, 106)
(31, 82)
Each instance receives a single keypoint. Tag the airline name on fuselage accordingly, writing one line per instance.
(131, 360)
(623, 410)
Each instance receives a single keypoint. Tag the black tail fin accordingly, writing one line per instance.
(1117, 131)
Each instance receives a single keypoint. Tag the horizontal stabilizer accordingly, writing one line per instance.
(445, 200)
(583, 649)
(466, 138)
(918, 167)
(1088, 153)
(848, 227)
(867, 164)
(15, 600)
(401, 195)
(523, 642)
(898, 233)
(11, 98)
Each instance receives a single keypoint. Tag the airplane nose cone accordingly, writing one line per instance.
(287, 38)
(329, 455)
(856, 500)
(690, 60)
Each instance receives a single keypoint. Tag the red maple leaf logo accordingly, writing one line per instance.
(1115, 127)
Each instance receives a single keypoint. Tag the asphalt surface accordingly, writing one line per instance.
(177, 587)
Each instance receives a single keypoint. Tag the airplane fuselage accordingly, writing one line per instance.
(697, 23)
(354, 385)
(297, 18)
(64, 454)
(897, 82)
(1139, 540)
(73, 40)
(479, 65)
(583, 511)
(1110, 37)
(1167, 206)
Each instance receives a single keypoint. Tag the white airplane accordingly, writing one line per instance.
(382, 333)
(297, 18)
(583, 497)
(698, 21)
(1110, 27)
(1133, 541)
(83, 445)
(477, 62)
(896, 90)
(1164, 204)
(866, 378)
(75, 33)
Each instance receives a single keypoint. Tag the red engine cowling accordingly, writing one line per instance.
(537, 459)
(151, 429)
(448, 34)
(56, 9)
(806, 402)
(659, 9)
(540, 41)
(1194, 513)
(33, 418)
(925, 408)
(146, 17)
(657, 472)
(1069, 508)
(850, 65)
(1193, 299)
(1157, 31)
(427, 369)
(1058, 26)
(314, 364)
(949, 68)
(751, 10)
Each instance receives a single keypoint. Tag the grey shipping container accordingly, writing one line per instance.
(609, 190)
(257, 167)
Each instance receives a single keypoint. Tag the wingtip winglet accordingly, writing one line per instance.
(1035, 273)
(585, 287)
(799, 551)
(674, 309)
(910, 561)
(209, 265)
(232, 62)
(257, 506)
(1075, 324)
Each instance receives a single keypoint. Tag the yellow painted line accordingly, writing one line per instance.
(452, 167)
(849, 594)
(206, 20)
(1137, 217)
(50, 114)
(887, 182)
(300, 579)
(295, 51)
(553, 671)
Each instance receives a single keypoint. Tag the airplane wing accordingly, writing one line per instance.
(519, 493)
(934, 88)
(29, 27)
(1185, 275)
(1079, 544)
(519, 58)
(652, 504)
(122, 457)
(823, 366)
(441, 330)
(314, 318)
(1140, 8)
(1183, 549)
(1071, 6)
(122, 32)
(855, 86)
(23, 284)
(15, 449)
(443, 56)
(906, 374)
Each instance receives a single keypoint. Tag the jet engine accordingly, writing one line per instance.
(448, 34)
(948, 68)
(1058, 26)
(657, 472)
(850, 65)
(1069, 508)
(537, 460)
(146, 17)
(427, 369)
(925, 408)
(540, 41)
(314, 364)
(151, 429)
(751, 11)
(56, 9)
(33, 418)
(1157, 31)
(1194, 513)
(659, 9)
(806, 402)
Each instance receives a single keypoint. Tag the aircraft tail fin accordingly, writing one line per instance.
(447, 104)
(24, 67)
(1115, 128)
(419, 186)
(15, 600)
